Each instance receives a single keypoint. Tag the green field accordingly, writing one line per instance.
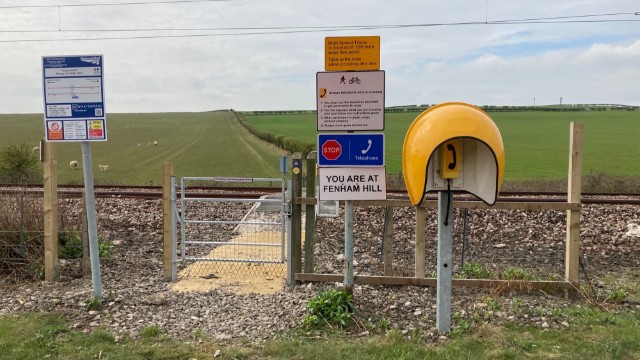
(214, 144)
(536, 143)
(199, 144)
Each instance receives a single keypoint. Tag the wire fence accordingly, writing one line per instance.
(22, 232)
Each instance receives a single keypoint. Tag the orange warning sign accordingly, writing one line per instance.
(352, 53)
(54, 130)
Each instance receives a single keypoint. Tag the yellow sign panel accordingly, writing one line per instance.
(450, 159)
(352, 53)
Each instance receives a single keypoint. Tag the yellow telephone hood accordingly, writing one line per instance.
(483, 160)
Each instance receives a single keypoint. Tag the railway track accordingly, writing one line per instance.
(155, 193)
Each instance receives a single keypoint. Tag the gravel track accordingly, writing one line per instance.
(135, 296)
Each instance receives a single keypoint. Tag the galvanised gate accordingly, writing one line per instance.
(231, 234)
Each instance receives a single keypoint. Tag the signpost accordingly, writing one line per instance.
(362, 149)
(74, 111)
(350, 100)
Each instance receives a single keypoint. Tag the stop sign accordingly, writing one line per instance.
(331, 150)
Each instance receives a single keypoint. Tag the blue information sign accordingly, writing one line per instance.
(346, 150)
(74, 98)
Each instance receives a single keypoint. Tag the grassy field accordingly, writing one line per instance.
(199, 144)
(213, 144)
(536, 143)
(593, 334)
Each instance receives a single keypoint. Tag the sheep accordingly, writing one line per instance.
(155, 143)
(139, 144)
(148, 144)
(35, 149)
(73, 164)
(104, 167)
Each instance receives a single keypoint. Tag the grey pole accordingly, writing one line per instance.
(445, 266)
(348, 246)
(289, 259)
(91, 219)
(174, 230)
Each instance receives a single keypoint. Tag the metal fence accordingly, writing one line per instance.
(230, 236)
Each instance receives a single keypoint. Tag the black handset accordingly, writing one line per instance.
(452, 165)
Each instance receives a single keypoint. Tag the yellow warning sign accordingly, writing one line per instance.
(352, 53)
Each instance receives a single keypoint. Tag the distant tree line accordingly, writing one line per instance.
(487, 108)
(284, 142)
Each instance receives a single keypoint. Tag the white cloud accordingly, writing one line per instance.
(482, 64)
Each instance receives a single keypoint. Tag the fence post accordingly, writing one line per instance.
(167, 173)
(50, 212)
(296, 215)
(310, 216)
(572, 252)
(420, 241)
(387, 242)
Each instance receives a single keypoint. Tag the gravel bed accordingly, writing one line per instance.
(135, 296)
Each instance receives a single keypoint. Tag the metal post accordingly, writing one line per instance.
(445, 266)
(348, 247)
(182, 216)
(289, 242)
(91, 219)
(174, 230)
(284, 161)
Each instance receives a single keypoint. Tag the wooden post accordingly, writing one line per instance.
(167, 173)
(388, 242)
(310, 216)
(50, 212)
(420, 241)
(572, 253)
(296, 214)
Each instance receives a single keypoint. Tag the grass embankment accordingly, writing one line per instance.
(593, 335)
(199, 144)
(536, 143)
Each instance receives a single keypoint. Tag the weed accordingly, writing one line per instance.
(151, 331)
(384, 324)
(105, 248)
(330, 307)
(463, 325)
(474, 270)
(417, 335)
(70, 246)
(554, 277)
(492, 304)
(616, 296)
(517, 274)
(93, 303)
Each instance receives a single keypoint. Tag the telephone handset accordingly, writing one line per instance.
(452, 165)
(450, 159)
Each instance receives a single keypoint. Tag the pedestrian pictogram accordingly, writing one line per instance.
(331, 150)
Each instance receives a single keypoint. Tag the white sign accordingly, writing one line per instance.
(352, 100)
(74, 98)
(361, 183)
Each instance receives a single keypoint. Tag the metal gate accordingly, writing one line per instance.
(223, 232)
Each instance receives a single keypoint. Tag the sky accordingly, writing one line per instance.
(264, 55)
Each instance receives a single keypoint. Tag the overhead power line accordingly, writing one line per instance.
(107, 4)
(247, 31)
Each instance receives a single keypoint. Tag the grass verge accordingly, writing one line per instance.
(593, 334)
